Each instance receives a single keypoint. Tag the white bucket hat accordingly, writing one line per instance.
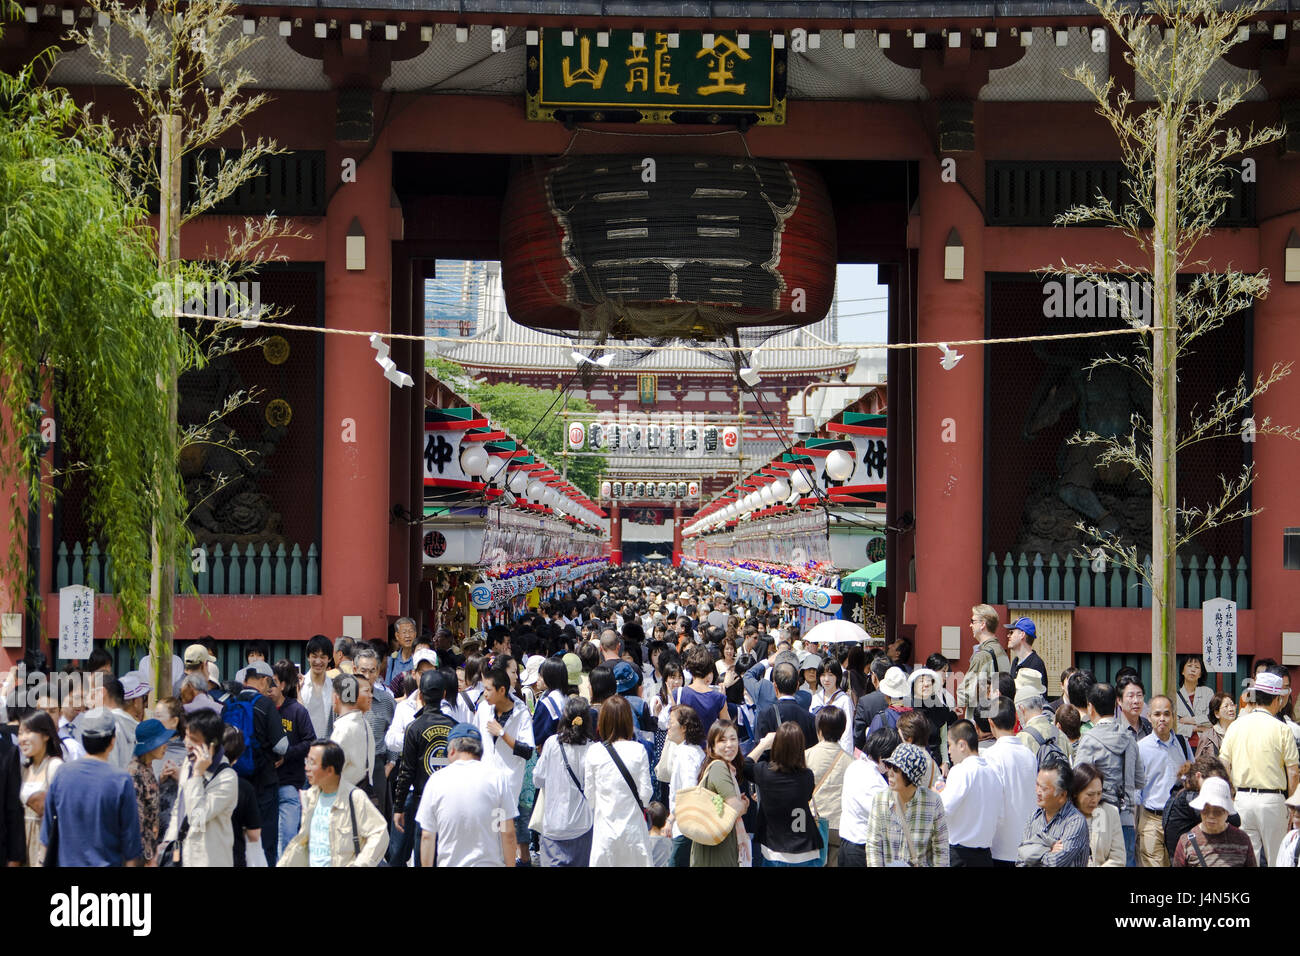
(1214, 792)
(894, 683)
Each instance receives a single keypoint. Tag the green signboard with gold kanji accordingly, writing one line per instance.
(625, 75)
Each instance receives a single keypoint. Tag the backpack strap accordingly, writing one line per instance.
(1035, 734)
(1182, 742)
(1191, 839)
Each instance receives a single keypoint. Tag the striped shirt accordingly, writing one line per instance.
(1069, 826)
(383, 705)
(925, 820)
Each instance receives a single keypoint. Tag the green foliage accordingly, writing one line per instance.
(76, 322)
(518, 409)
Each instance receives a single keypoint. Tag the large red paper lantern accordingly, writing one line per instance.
(667, 246)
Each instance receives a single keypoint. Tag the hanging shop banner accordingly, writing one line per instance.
(653, 76)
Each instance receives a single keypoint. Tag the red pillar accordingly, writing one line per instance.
(677, 534)
(950, 413)
(615, 535)
(1274, 597)
(355, 487)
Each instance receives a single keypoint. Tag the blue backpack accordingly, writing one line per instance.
(238, 713)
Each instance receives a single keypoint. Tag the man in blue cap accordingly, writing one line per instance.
(467, 810)
(1020, 645)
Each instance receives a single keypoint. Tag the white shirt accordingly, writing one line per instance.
(1017, 770)
(687, 760)
(318, 701)
(972, 802)
(566, 812)
(844, 703)
(465, 712)
(862, 781)
(464, 806)
(618, 836)
(519, 725)
(352, 733)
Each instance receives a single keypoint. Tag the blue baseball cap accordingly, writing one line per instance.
(1023, 624)
(462, 730)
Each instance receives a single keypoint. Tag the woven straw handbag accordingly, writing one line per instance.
(703, 816)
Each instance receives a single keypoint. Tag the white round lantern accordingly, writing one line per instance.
(800, 482)
(535, 489)
(474, 461)
(839, 465)
(780, 489)
(765, 495)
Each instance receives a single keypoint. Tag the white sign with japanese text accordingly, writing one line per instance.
(1219, 636)
(76, 622)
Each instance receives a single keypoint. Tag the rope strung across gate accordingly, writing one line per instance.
(614, 347)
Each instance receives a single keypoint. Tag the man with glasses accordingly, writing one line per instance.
(268, 742)
(380, 717)
(988, 660)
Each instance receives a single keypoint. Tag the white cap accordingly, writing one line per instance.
(1216, 793)
(423, 655)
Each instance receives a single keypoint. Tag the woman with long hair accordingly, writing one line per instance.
(38, 742)
(1105, 836)
(723, 773)
(567, 815)
(616, 782)
(687, 733)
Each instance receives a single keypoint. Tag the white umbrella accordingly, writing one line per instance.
(836, 632)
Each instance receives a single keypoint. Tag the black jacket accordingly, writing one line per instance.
(788, 825)
(424, 750)
(13, 838)
(864, 714)
(789, 709)
(1033, 662)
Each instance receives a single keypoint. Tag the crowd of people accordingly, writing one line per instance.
(648, 721)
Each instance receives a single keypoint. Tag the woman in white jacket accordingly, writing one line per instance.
(205, 804)
(1105, 836)
(619, 834)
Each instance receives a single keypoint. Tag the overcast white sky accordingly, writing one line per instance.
(862, 304)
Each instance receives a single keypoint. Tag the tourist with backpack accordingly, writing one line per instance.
(252, 712)
(1110, 748)
(1043, 738)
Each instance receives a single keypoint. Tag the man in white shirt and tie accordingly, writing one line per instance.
(1017, 771)
(972, 799)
